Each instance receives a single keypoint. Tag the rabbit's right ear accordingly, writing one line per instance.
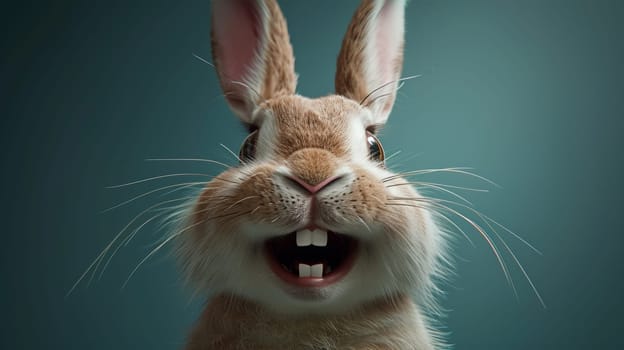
(252, 53)
(371, 57)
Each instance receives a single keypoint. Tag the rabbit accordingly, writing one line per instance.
(310, 242)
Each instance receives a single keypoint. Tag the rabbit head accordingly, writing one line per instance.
(309, 221)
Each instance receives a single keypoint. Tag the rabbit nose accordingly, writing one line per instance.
(312, 189)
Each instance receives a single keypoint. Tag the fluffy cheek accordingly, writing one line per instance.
(397, 235)
(366, 203)
(214, 252)
(234, 196)
(412, 240)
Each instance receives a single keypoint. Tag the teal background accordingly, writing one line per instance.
(529, 93)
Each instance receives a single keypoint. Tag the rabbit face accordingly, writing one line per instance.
(307, 223)
(311, 220)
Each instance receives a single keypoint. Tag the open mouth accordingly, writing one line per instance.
(311, 258)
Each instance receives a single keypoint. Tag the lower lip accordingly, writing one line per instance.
(312, 282)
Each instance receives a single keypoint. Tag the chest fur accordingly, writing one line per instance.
(228, 324)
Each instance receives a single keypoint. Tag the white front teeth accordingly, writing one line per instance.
(304, 238)
(304, 270)
(317, 270)
(311, 271)
(317, 237)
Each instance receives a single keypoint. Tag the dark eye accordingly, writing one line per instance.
(375, 150)
(248, 148)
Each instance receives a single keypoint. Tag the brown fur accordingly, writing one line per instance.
(218, 208)
(350, 66)
(312, 165)
(311, 140)
(280, 78)
(276, 60)
(318, 123)
(233, 323)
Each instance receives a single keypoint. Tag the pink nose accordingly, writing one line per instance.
(312, 189)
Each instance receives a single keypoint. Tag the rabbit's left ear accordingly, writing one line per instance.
(370, 61)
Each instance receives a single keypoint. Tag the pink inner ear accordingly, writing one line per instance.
(237, 31)
(388, 40)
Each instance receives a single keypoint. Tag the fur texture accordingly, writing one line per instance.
(381, 302)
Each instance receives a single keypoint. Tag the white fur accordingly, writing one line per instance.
(265, 148)
(384, 266)
(400, 249)
(383, 44)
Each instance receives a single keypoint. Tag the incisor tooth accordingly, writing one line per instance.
(304, 270)
(319, 238)
(316, 270)
(304, 238)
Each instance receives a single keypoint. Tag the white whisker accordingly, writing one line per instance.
(364, 223)
(487, 219)
(153, 251)
(125, 242)
(95, 264)
(204, 60)
(440, 188)
(157, 248)
(231, 152)
(458, 170)
(393, 155)
(240, 201)
(526, 275)
(476, 226)
(448, 220)
(156, 178)
(150, 192)
(438, 184)
(188, 160)
(181, 188)
(388, 83)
